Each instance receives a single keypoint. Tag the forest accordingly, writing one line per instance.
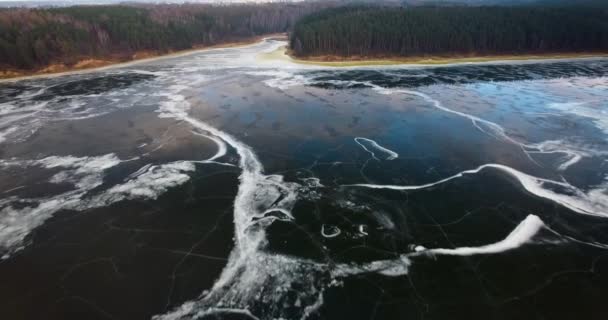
(35, 38)
(365, 31)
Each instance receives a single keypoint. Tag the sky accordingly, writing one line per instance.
(68, 2)
(89, 1)
(106, 1)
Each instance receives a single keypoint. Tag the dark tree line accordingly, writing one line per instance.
(377, 31)
(34, 38)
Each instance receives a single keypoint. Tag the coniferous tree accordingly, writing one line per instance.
(377, 31)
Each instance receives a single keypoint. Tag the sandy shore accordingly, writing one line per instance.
(282, 54)
(91, 65)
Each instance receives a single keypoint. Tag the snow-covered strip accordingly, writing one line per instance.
(522, 234)
(391, 268)
(154, 181)
(85, 173)
(328, 231)
(222, 149)
(573, 151)
(80, 164)
(282, 79)
(226, 312)
(592, 202)
(259, 196)
(5, 133)
(377, 151)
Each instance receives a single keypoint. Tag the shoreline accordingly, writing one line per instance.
(91, 64)
(283, 53)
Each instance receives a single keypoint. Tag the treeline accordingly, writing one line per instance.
(381, 32)
(34, 38)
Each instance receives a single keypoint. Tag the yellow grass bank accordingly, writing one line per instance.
(283, 54)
